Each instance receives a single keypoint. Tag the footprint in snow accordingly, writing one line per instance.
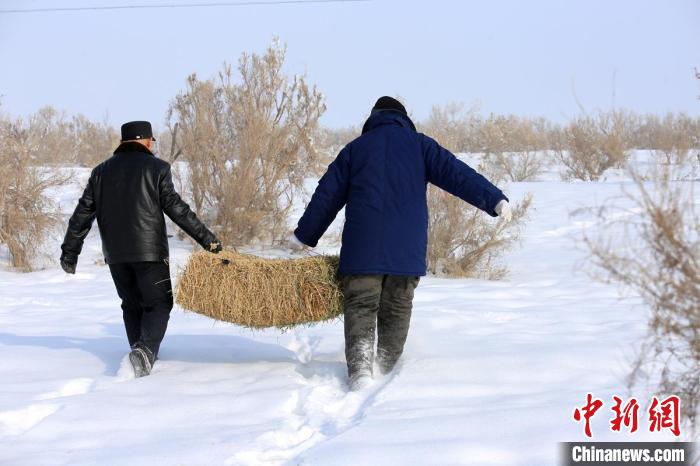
(19, 421)
(320, 409)
(73, 387)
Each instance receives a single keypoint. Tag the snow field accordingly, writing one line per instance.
(491, 373)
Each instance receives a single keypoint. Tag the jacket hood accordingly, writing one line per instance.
(387, 117)
(131, 146)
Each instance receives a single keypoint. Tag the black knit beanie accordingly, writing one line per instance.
(389, 103)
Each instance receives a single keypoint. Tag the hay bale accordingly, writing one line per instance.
(259, 293)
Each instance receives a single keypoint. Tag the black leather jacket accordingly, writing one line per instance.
(128, 194)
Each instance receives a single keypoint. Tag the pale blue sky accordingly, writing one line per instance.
(522, 57)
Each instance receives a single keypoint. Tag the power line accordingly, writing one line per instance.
(178, 5)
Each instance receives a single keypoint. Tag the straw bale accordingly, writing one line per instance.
(257, 292)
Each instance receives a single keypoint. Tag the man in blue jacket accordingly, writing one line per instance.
(381, 178)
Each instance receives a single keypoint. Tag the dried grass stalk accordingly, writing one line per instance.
(260, 293)
(655, 252)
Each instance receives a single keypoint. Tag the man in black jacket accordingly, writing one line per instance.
(128, 194)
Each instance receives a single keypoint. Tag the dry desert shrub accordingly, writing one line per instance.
(330, 141)
(93, 142)
(248, 144)
(27, 215)
(515, 148)
(589, 145)
(453, 126)
(517, 166)
(54, 138)
(672, 138)
(47, 135)
(654, 249)
(465, 242)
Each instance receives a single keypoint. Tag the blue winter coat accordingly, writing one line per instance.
(381, 178)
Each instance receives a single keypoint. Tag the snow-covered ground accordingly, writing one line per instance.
(491, 373)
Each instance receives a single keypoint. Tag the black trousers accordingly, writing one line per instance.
(147, 299)
(381, 304)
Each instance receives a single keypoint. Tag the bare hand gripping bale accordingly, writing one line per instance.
(260, 293)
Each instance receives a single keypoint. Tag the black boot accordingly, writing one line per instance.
(142, 359)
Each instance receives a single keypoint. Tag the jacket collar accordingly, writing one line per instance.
(131, 146)
(387, 117)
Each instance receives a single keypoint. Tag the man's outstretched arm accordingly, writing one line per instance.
(180, 213)
(78, 227)
(447, 172)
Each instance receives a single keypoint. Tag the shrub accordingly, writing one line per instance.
(54, 138)
(672, 138)
(330, 141)
(515, 148)
(248, 145)
(452, 126)
(93, 141)
(27, 214)
(655, 251)
(587, 146)
(464, 241)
